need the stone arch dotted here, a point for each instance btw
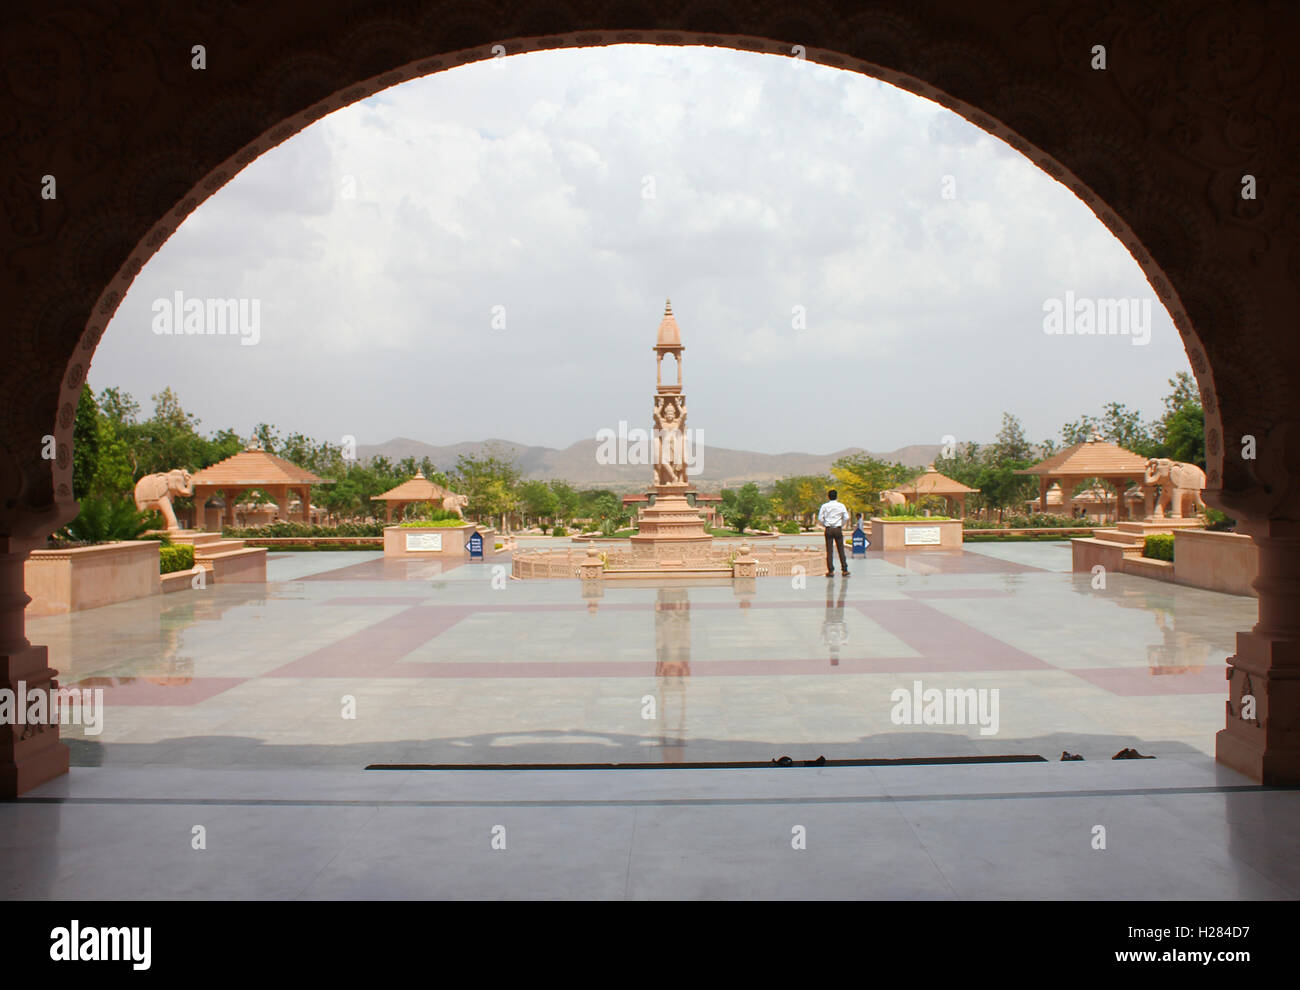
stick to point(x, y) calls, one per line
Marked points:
point(1156, 145)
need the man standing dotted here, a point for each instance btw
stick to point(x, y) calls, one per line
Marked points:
point(832, 516)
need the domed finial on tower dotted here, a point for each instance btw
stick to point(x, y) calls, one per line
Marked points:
point(669, 334)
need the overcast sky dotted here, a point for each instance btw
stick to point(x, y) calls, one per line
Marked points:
point(577, 189)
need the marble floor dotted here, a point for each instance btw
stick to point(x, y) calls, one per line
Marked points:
point(257, 708)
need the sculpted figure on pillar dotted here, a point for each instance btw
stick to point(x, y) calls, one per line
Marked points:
point(670, 456)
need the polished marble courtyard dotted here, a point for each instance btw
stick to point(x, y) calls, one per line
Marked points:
point(225, 708)
point(460, 665)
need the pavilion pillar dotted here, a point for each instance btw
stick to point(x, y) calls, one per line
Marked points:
point(281, 495)
point(232, 496)
point(1119, 498)
point(1262, 736)
point(1044, 482)
point(30, 754)
point(306, 504)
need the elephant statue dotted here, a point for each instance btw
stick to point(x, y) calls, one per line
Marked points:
point(892, 498)
point(1180, 485)
point(155, 491)
point(455, 503)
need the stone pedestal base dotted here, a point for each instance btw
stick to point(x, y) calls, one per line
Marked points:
point(29, 754)
point(672, 520)
point(1266, 746)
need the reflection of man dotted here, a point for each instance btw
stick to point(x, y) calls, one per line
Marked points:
point(832, 516)
point(834, 633)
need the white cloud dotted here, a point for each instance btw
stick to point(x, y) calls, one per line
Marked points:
point(521, 183)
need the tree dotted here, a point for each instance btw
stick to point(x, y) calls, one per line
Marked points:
point(1118, 424)
point(861, 478)
point(566, 499)
point(488, 479)
point(85, 443)
point(537, 500)
point(741, 508)
point(1184, 435)
point(113, 475)
point(1180, 433)
point(1011, 444)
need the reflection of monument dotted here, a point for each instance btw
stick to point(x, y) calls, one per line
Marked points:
point(670, 523)
point(672, 667)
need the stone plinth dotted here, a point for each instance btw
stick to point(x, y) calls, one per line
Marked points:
point(1226, 562)
point(914, 534)
point(672, 520)
point(62, 581)
point(436, 541)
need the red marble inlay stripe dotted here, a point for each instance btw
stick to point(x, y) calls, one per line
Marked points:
point(373, 649)
point(960, 593)
point(935, 635)
point(139, 691)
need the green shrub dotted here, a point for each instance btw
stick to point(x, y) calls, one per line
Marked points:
point(104, 519)
point(1033, 521)
point(1159, 546)
point(1218, 522)
point(433, 523)
point(790, 527)
point(431, 512)
point(559, 531)
point(175, 557)
point(286, 529)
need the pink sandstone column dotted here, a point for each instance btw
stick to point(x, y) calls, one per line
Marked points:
point(1266, 667)
point(29, 754)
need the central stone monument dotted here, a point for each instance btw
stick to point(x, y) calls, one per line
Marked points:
point(672, 542)
point(670, 527)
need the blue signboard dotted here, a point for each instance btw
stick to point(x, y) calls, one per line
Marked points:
point(475, 545)
point(859, 542)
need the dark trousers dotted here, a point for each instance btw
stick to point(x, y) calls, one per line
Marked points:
point(835, 537)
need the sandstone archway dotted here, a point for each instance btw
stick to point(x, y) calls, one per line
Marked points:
point(1158, 143)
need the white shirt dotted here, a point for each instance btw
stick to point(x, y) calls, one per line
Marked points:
point(833, 514)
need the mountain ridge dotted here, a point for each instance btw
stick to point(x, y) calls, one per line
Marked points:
point(577, 463)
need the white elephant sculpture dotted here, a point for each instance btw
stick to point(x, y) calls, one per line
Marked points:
point(1180, 486)
point(892, 498)
point(455, 503)
point(155, 491)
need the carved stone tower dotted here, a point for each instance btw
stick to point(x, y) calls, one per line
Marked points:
point(671, 519)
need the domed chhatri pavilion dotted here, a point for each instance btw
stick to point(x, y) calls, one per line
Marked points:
point(932, 483)
point(255, 468)
point(415, 491)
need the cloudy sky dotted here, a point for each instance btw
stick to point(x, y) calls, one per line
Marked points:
point(486, 252)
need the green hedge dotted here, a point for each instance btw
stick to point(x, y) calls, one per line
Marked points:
point(1034, 521)
point(1159, 546)
point(559, 531)
point(432, 523)
point(282, 529)
point(177, 557)
point(791, 528)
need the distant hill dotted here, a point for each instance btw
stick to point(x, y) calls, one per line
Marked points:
point(723, 467)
